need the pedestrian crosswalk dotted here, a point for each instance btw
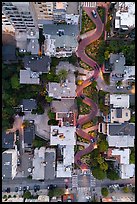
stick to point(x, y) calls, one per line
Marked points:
point(74, 181)
point(92, 181)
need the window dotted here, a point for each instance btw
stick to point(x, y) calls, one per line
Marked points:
point(126, 114)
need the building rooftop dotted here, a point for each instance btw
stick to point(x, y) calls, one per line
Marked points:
point(39, 164)
point(118, 62)
point(29, 104)
point(33, 46)
point(9, 163)
point(29, 77)
point(7, 140)
point(119, 100)
point(121, 129)
point(127, 171)
point(44, 163)
point(9, 53)
point(29, 135)
point(67, 39)
point(62, 135)
point(125, 14)
point(66, 90)
point(64, 105)
point(37, 64)
point(120, 115)
point(50, 163)
point(124, 155)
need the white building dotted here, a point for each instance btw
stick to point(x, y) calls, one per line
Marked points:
point(125, 15)
point(119, 100)
point(43, 163)
point(129, 73)
point(9, 163)
point(126, 170)
point(119, 115)
point(64, 137)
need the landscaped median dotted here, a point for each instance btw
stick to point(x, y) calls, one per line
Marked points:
point(87, 23)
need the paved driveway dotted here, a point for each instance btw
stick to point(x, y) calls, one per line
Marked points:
point(42, 128)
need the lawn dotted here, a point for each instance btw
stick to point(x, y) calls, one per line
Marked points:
point(87, 23)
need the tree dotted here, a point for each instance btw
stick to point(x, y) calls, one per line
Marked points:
point(132, 156)
point(104, 166)
point(98, 173)
point(112, 175)
point(133, 189)
point(51, 115)
point(100, 159)
point(125, 189)
point(15, 82)
point(107, 55)
point(27, 195)
point(48, 99)
point(103, 146)
point(55, 192)
point(104, 191)
point(53, 122)
point(62, 74)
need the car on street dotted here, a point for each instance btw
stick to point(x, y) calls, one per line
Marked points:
point(36, 188)
point(78, 126)
point(79, 162)
point(28, 188)
point(8, 190)
point(51, 186)
point(94, 14)
point(16, 189)
point(129, 87)
point(82, 96)
point(92, 79)
point(25, 188)
point(20, 188)
point(92, 140)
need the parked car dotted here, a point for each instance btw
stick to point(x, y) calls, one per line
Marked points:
point(28, 188)
point(78, 126)
point(92, 79)
point(51, 186)
point(8, 190)
point(24, 188)
point(16, 189)
point(66, 186)
point(79, 162)
point(20, 188)
point(94, 14)
point(36, 188)
point(82, 96)
point(92, 140)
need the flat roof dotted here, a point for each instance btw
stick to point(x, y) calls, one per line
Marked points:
point(7, 140)
point(66, 90)
point(62, 135)
point(124, 155)
point(119, 100)
point(127, 16)
point(64, 105)
point(50, 164)
point(39, 163)
point(28, 77)
point(121, 141)
point(6, 165)
point(127, 171)
point(68, 39)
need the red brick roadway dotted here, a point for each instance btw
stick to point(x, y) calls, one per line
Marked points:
point(94, 108)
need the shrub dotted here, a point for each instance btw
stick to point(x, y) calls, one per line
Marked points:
point(98, 173)
point(112, 175)
point(104, 191)
point(125, 189)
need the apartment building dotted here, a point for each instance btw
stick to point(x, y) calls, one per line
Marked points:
point(18, 16)
point(9, 163)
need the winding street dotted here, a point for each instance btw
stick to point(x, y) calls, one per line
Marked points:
point(83, 43)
